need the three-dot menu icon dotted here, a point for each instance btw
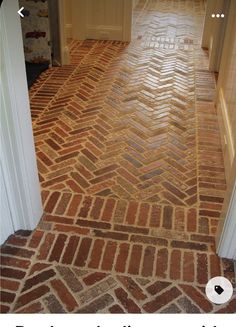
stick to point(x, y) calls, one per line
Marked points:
point(217, 15)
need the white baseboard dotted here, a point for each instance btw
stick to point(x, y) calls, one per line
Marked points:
point(102, 32)
point(226, 132)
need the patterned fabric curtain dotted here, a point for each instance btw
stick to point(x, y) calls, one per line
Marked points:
point(36, 31)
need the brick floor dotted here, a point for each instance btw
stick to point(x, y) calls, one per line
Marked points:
point(132, 176)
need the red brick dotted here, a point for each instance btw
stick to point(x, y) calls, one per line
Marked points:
point(175, 265)
point(98, 304)
point(188, 267)
point(45, 247)
point(79, 180)
point(74, 186)
point(148, 261)
point(96, 209)
point(197, 297)
point(214, 266)
point(58, 248)
point(65, 296)
point(94, 278)
point(7, 297)
point(51, 203)
point(83, 252)
point(149, 240)
point(209, 213)
point(192, 220)
point(131, 213)
point(36, 239)
point(112, 235)
point(108, 210)
point(189, 245)
point(128, 176)
point(131, 229)
point(14, 262)
point(12, 273)
point(120, 211)
point(143, 214)
point(70, 250)
point(96, 254)
point(58, 219)
point(62, 204)
point(122, 257)
point(16, 240)
point(31, 296)
point(38, 266)
point(167, 217)
point(116, 309)
point(179, 220)
point(4, 308)
point(74, 205)
point(155, 220)
point(132, 287)
point(93, 224)
point(32, 308)
point(162, 300)
point(126, 302)
point(85, 207)
point(203, 225)
point(10, 285)
point(71, 229)
point(135, 258)
point(105, 170)
point(39, 278)
point(162, 263)
point(16, 251)
point(202, 268)
point(109, 255)
point(157, 287)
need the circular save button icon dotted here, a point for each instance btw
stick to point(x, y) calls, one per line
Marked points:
point(219, 290)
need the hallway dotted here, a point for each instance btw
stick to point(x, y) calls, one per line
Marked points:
point(132, 176)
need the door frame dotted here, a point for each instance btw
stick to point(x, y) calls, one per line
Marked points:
point(57, 22)
point(225, 238)
point(18, 156)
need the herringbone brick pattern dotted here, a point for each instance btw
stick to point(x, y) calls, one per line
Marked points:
point(132, 176)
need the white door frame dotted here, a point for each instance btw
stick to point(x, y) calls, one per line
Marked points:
point(18, 157)
point(226, 235)
point(57, 22)
point(226, 246)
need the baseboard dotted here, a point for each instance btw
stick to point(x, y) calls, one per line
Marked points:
point(226, 132)
point(104, 32)
point(68, 31)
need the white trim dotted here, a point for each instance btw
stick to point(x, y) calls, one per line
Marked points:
point(127, 20)
point(104, 32)
point(6, 224)
point(65, 57)
point(226, 246)
point(18, 152)
point(226, 126)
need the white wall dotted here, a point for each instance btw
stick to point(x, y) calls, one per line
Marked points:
point(226, 91)
point(214, 30)
point(226, 110)
point(102, 19)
